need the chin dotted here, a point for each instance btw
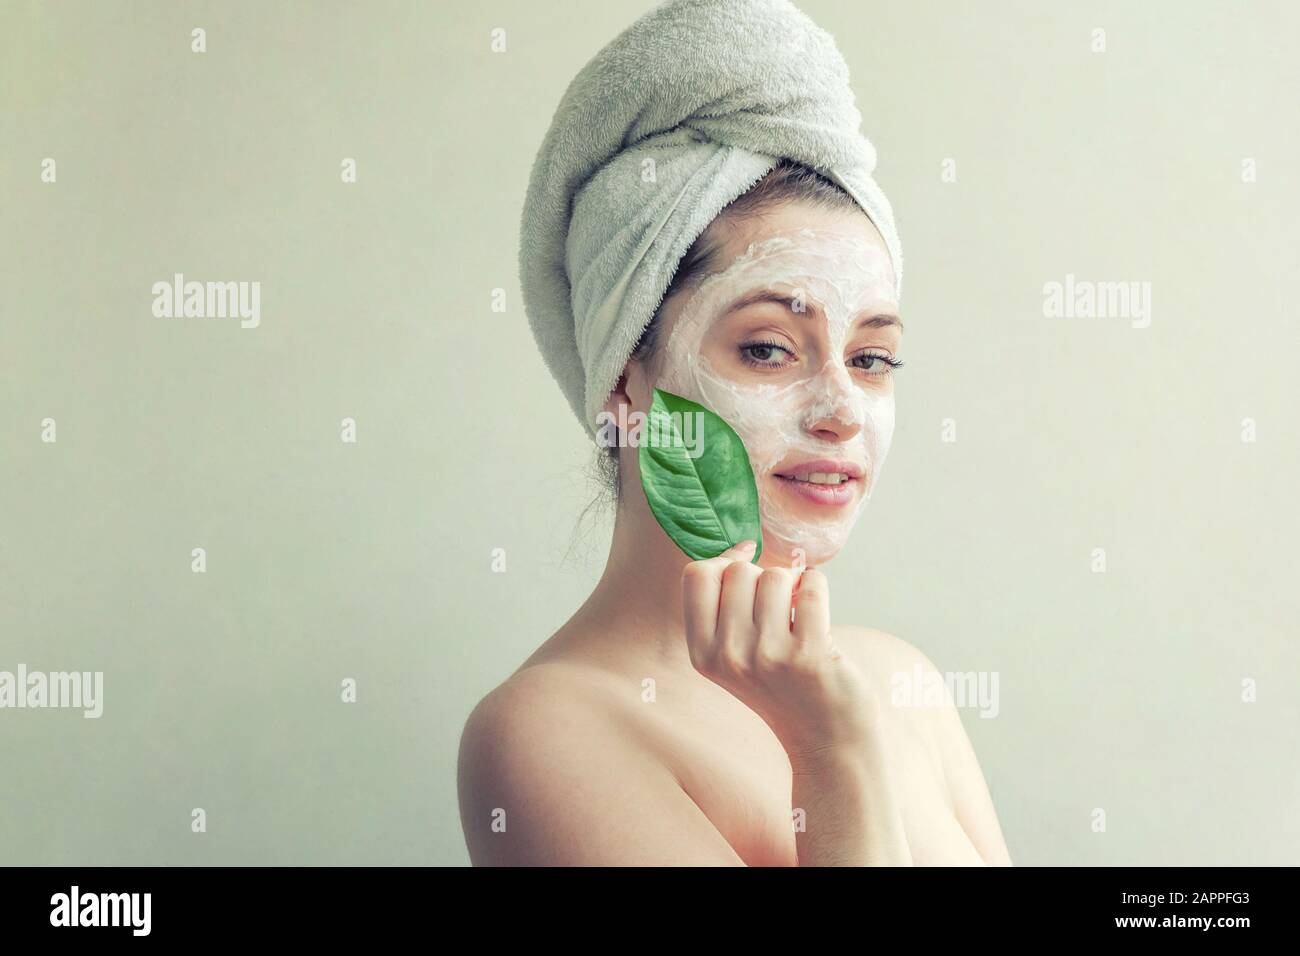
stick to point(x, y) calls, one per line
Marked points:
point(808, 552)
point(806, 525)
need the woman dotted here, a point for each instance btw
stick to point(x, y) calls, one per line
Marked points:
point(708, 712)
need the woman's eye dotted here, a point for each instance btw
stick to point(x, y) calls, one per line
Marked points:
point(873, 363)
point(765, 354)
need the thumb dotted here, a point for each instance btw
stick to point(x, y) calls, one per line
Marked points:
point(740, 551)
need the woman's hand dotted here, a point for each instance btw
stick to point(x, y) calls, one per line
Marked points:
point(739, 634)
point(817, 702)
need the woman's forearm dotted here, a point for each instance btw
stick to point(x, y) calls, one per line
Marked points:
point(845, 810)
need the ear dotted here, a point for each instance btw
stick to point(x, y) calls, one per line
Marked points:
point(631, 395)
point(618, 396)
point(633, 390)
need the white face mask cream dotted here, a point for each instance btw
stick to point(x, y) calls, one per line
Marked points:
point(816, 415)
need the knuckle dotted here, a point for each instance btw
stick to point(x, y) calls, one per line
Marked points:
point(811, 593)
point(697, 572)
point(730, 661)
point(740, 571)
point(804, 662)
point(767, 660)
point(704, 657)
point(778, 576)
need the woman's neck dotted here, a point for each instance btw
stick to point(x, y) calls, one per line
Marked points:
point(638, 600)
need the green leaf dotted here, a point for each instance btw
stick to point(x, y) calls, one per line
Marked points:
point(705, 503)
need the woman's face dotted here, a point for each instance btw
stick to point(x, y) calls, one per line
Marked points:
point(793, 344)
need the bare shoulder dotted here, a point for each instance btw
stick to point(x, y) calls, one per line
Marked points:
point(876, 641)
point(906, 677)
point(540, 706)
point(893, 665)
point(526, 750)
point(551, 771)
point(884, 655)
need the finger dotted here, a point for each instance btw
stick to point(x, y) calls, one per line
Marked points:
point(812, 609)
point(741, 551)
point(736, 612)
point(702, 595)
point(701, 591)
point(772, 601)
point(702, 585)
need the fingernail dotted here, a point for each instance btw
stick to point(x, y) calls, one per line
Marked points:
point(746, 545)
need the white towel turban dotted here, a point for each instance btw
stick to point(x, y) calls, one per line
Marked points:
point(680, 114)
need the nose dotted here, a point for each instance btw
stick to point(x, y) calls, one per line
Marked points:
point(833, 429)
point(834, 416)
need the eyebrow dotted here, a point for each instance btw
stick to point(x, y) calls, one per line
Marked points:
point(877, 321)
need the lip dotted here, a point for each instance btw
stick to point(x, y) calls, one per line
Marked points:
point(805, 468)
point(826, 495)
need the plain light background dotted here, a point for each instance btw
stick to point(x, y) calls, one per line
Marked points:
point(372, 561)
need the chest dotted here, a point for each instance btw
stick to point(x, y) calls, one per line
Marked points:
point(735, 770)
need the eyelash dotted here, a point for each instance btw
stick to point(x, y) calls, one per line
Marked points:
point(890, 363)
point(753, 362)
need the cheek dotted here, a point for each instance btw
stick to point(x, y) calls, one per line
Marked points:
point(879, 426)
point(766, 418)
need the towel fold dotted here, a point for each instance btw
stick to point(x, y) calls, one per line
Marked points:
point(671, 121)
